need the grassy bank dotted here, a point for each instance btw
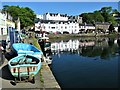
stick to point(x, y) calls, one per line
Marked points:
point(33, 41)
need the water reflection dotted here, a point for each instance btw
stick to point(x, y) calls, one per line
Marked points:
point(104, 48)
point(85, 63)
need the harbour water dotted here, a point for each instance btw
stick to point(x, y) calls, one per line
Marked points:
point(86, 63)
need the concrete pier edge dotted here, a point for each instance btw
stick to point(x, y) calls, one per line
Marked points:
point(49, 79)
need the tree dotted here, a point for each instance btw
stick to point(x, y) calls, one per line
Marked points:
point(107, 14)
point(90, 17)
point(115, 11)
point(111, 28)
point(116, 14)
point(5, 8)
point(103, 15)
point(14, 11)
point(26, 15)
point(98, 17)
point(87, 17)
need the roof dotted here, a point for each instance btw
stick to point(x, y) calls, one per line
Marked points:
point(55, 21)
point(86, 24)
point(57, 14)
point(104, 23)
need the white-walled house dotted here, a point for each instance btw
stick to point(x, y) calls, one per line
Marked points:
point(59, 26)
point(9, 22)
point(6, 23)
point(18, 24)
point(39, 16)
point(76, 18)
point(74, 27)
point(3, 28)
point(55, 16)
point(85, 27)
point(56, 23)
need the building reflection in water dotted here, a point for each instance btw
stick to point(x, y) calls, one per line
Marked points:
point(91, 48)
point(70, 46)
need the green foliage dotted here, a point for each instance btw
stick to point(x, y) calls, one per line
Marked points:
point(87, 17)
point(35, 43)
point(98, 16)
point(26, 15)
point(107, 14)
point(103, 15)
point(115, 11)
point(5, 8)
point(41, 76)
point(92, 17)
point(111, 28)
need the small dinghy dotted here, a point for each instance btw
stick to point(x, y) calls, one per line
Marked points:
point(24, 66)
point(23, 48)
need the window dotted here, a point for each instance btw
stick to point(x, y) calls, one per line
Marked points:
point(2, 31)
point(53, 27)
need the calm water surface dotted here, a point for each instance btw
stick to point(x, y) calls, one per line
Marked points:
point(85, 63)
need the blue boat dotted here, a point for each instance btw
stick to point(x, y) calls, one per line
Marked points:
point(28, 49)
point(24, 66)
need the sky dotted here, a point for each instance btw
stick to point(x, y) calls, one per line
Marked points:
point(70, 8)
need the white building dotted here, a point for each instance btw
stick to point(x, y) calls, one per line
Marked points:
point(6, 23)
point(39, 16)
point(76, 18)
point(57, 16)
point(9, 22)
point(56, 23)
point(53, 16)
point(3, 28)
point(18, 24)
point(85, 27)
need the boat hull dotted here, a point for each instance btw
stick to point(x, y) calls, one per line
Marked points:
point(22, 49)
point(24, 66)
